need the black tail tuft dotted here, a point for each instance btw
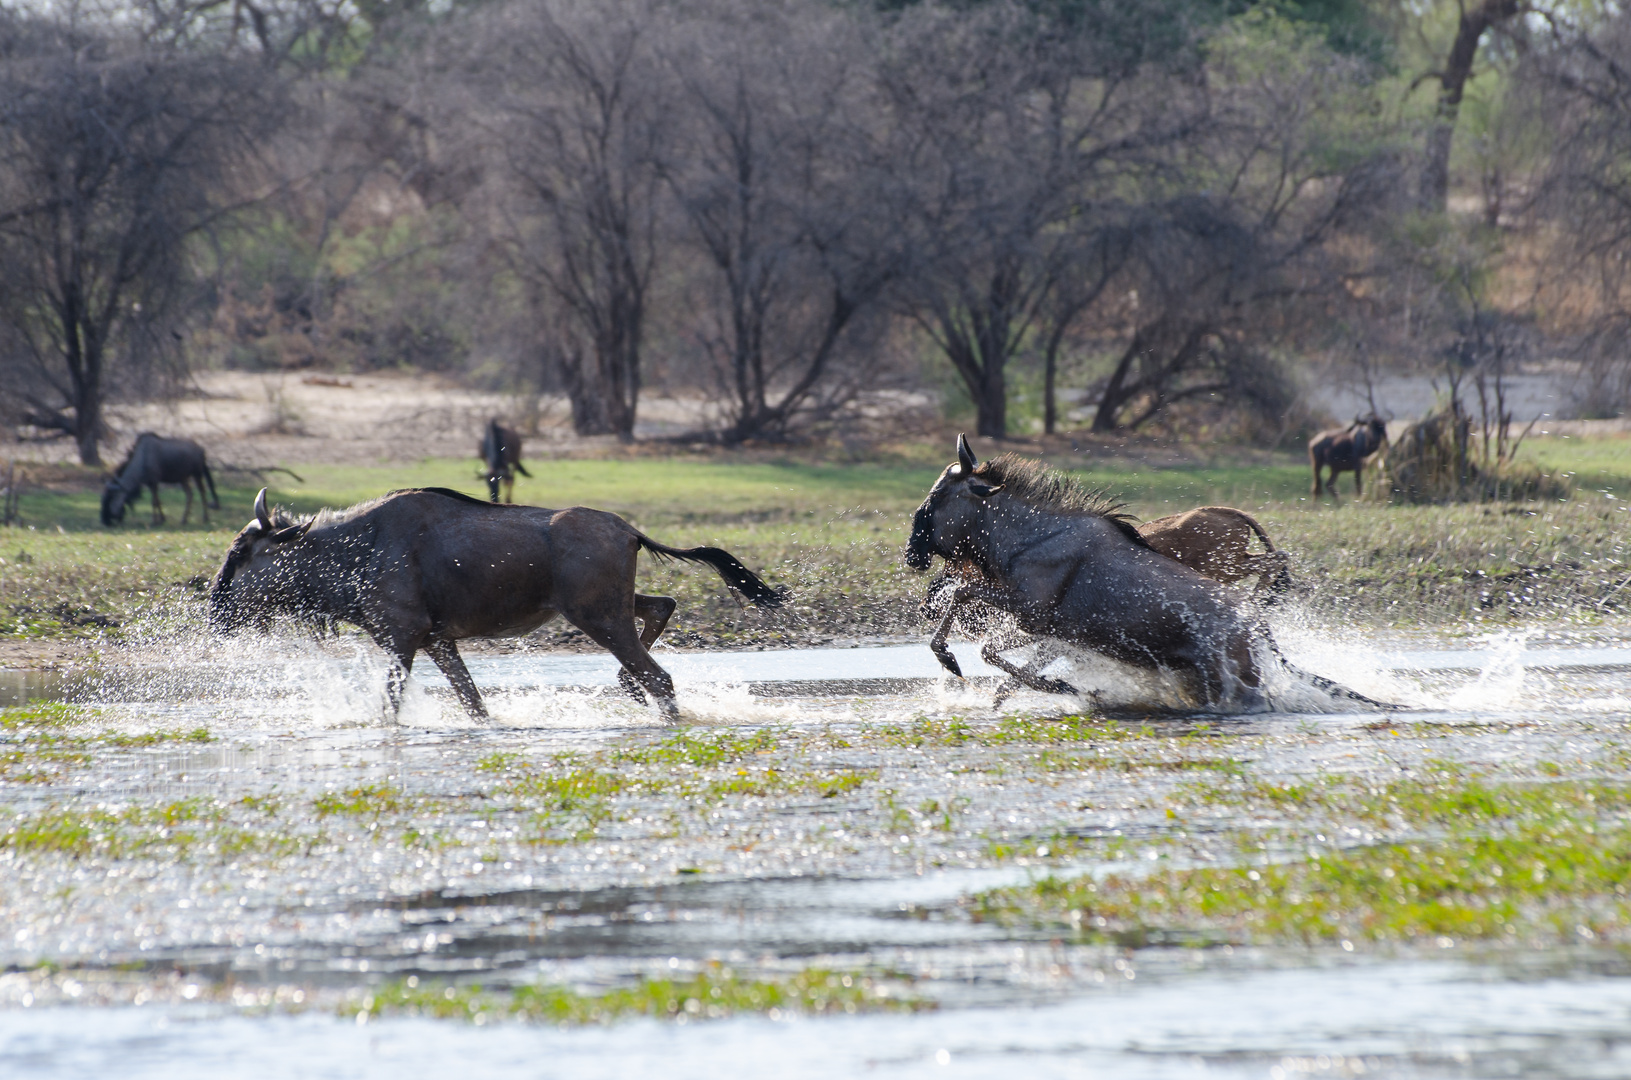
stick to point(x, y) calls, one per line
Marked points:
point(728, 566)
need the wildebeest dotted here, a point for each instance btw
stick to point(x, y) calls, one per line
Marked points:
point(1067, 564)
point(426, 568)
point(500, 451)
point(1346, 450)
point(1211, 540)
point(156, 460)
point(1216, 541)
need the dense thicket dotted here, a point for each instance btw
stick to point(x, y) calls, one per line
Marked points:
point(1047, 212)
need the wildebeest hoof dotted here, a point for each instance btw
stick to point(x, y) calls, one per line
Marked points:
point(948, 661)
point(670, 710)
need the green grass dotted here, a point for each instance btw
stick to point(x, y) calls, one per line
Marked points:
point(710, 995)
point(1490, 860)
point(832, 532)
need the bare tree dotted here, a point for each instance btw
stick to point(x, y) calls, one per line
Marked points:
point(1473, 23)
point(113, 153)
point(1017, 139)
point(1254, 247)
point(568, 93)
point(775, 178)
point(1582, 80)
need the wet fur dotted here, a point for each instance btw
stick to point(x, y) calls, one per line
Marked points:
point(426, 568)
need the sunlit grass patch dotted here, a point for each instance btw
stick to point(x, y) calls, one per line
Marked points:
point(1493, 860)
point(707, 996)
point(699, 749)
point(43, 741)
point(175, 829)
point(44, 714)
point(367, 800)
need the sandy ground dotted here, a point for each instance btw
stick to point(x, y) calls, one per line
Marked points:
point(254, 420)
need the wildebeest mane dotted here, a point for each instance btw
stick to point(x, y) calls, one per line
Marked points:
point(1033, 482)
point(449, 492)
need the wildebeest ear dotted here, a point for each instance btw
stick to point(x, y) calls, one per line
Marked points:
point(965, 456)
point(290, 532)
point(983, 490)
point(261, 514)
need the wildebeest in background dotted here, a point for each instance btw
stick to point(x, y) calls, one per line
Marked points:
point(1067, 564)
point(1346, 450)
point(501, 452)
point(156, 460)
point(1216, 541)
point(426, 568)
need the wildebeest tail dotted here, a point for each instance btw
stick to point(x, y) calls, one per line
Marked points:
point(522, 469)
point(728, 566)
point(1330, 686)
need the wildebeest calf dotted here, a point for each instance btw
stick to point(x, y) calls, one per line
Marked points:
point(426, 568)
point(501, 452)
point(156, 460)
point(1216, 541)
point(1346, 450)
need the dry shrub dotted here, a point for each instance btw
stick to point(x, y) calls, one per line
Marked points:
point(1431, 461)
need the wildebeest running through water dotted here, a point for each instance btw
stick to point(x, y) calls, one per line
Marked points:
point(156, 460)
point(501, 453)
point(1068, 565)
point(1346, 450)
point(426, 568)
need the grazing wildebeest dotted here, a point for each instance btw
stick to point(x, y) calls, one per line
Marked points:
point(156, 460)
point(1215, 541)
point(501, 452)
point(425, 568)
point(1066, 564)
point(1346, 450)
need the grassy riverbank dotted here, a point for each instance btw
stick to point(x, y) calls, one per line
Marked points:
point(832, 531)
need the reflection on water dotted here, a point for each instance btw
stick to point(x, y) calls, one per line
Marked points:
point(768, 883)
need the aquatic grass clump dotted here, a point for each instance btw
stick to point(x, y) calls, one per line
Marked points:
point(368, 800)
point(1530, 885)
point(179, 829)
point(699, 749)
point(710, 995)
point(1501, 860)
point(40, 742)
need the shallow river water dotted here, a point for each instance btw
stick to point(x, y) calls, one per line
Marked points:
point(309, 851)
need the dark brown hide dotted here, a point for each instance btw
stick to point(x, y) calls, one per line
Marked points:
point(424, 569)
point(1346, 450)
point(1216, 541)
point(152, 461)
point(1066, 564)
point(500, 451)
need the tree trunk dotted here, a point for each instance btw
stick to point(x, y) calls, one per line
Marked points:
point(1115, 393)
point(1435, 175)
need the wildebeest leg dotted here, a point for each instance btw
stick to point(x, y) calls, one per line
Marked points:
point(446, 655)
point(1027, 675)
point(653, 613)
point(1359, 482)
point(640, 671)
point(937, 643)
point(158, 510)
point(187, 487)
point(508, 481)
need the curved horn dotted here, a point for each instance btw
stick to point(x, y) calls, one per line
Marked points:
point(965, 456)
point(260, 511)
